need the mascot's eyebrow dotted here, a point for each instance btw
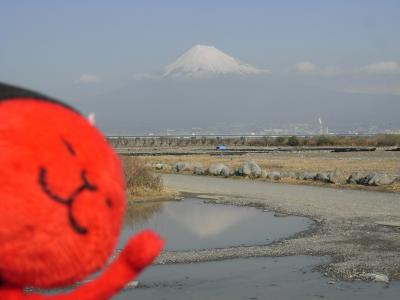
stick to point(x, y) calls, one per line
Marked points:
point(68, 201)
point(69, 147)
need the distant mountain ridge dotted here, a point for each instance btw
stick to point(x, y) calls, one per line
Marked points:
point(202, 60)
point(209, 89)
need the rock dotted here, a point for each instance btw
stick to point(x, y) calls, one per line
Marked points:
point(216, 169)
point(365, 180)
point(132, 285)
point(225, 171)
point(198, 170)
point(307, 176)
point(376, 179)
point(249, 168)
point(264, 174)
point(336, 177)
point(381, 179)
point(162, 166)
point(275, 175)
point(323, 177)
point(376, 277)
point(284, 174)
point(182, 166)
point(299, 175)
point(354, 178)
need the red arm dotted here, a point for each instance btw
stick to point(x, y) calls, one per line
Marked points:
point(139, 252)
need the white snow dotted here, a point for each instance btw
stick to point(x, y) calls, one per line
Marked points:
point(202, 60)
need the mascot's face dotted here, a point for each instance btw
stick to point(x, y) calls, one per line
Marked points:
point(61, 194)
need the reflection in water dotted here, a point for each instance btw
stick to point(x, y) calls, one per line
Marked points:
point(192, 224)
point(207, 223)
point(138, 213)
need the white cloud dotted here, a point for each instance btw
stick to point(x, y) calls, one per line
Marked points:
point(306, 67)
point(89, 78)
point(383, 67)
point(379, 68)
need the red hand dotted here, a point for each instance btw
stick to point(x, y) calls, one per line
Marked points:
point(139, 252)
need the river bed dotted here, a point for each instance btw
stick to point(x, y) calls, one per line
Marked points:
point(194, 225)
point(253, 278)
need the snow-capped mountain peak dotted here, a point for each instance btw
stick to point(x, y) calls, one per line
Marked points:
point(201, 60)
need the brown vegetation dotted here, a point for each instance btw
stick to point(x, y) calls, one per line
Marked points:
point(315, 161)
point(142, 182)
point(365, 162)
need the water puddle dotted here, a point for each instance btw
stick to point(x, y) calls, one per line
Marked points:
point(191, 224)
point(253, 278)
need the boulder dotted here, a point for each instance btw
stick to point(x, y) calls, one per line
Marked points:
point(275, 175)
point(225, 171)
point(380, 179)
point(264, 174)
point(372, 179)
point(284, 174)
point(323, 177)
point(182, 166)
point(354, 178)
point(376, 277)
point(336, 177)
point(216, 169)
point(288, 174)
point(249, 168)
point(162, 166)
point(307, 176)
point(366, 180)
point(198, 170)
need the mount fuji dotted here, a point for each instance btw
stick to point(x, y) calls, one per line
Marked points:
point(209, 89)
point(201, 60)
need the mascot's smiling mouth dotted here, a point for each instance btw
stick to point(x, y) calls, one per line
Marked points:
point(69, 201)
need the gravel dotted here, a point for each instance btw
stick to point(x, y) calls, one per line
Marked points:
point(350, 225)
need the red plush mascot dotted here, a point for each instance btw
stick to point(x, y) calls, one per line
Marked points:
point(61, 203)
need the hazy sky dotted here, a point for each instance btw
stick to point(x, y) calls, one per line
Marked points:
point(76, 49)
point(53, 44)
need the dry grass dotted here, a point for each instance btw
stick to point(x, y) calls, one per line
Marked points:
point(142, 182)
point(379, 161)
point(347, 163)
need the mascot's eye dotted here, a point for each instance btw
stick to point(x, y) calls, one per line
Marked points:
point(69, 147)
point(109, 202)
